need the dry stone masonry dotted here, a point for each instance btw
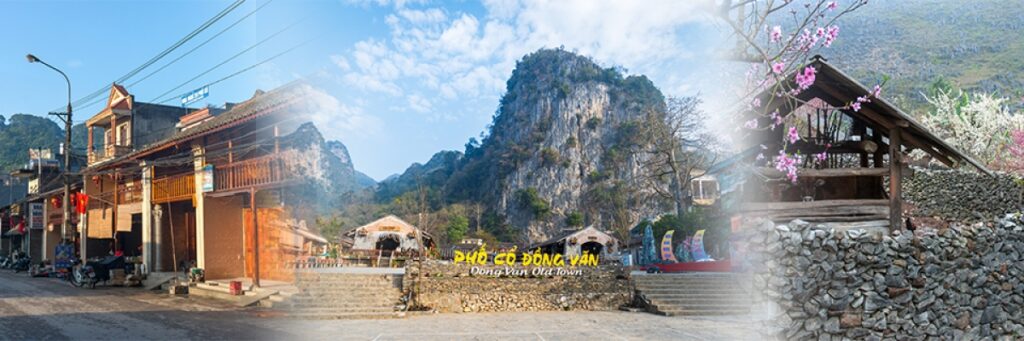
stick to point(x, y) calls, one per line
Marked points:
point(963, 282)
point(445, 287)
point(962, 195)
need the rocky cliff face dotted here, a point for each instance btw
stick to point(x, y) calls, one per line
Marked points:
point(326, 165)
point(555, 150)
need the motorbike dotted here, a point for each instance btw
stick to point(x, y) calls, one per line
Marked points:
point(23, 263)
point(94, 272)
point(18, 261)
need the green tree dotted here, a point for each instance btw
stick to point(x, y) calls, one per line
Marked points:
point(458, 225)
point(529, 199)
point(574, 219)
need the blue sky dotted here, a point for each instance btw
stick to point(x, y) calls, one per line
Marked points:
point(397, 80)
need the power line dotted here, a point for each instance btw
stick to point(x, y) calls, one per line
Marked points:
point(101, 99)
point(228, 60)
point(203, 43)
point(250, 67)
point(160, 55)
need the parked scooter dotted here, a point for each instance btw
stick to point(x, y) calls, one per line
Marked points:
point(18, 261)
point(23, 263)
point(94, 272)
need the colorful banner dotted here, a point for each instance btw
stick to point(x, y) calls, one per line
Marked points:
point(666, 248)
point(35, 212)
point(698, 247)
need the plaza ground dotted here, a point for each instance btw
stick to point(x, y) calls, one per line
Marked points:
point(43, 308)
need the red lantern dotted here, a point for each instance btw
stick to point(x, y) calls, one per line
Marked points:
point(55, 201)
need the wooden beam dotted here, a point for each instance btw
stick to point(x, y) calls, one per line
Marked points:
point(826, 173)
point(810, 205)
point(895, 179)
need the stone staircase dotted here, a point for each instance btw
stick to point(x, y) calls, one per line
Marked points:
point(694, 293)
point(343, 296)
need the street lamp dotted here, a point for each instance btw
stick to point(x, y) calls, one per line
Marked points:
point(67, 148)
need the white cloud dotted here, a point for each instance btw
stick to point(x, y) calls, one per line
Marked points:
point(336, 119)
point(460, 56)
point(419, 104)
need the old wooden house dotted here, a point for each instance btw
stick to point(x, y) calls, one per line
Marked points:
point(858, 182)
point(195, 187)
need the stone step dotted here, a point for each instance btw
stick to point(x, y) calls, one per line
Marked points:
point(332, 310)
point(348, 278)
point(353, 294)
point(701, 307)
point(343, 316)
point(719, 291)
point(300, 304)
point(348, 286)
point(696, 298)
point(341, 301)
point(698, 303)
point(693, 312)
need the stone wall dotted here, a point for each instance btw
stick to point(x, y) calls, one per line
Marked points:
point(960, 195)
point(956, 283)
point(445, 287)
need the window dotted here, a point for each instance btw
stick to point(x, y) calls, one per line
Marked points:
point(704, 188)
point(123, 135)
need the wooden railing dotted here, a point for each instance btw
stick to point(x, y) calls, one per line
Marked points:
point(130, 192)
point(174, 188)
point(261, 171)
point(108, 152)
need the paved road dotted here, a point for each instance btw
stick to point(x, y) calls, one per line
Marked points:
point(45, 308)
point(542, 326)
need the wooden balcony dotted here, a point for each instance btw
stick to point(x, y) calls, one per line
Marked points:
point(108, 152)
point(129, 193)
point(257, 172)
point(174, 188)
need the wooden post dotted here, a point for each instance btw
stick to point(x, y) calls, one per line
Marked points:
point(277, 140)
point(256, 239)
point(877, 136)
point(860, 130)
point(89, 148)
point(113, 213)
point(895, 179)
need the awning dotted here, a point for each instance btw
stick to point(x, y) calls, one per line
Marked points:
point(311, 236)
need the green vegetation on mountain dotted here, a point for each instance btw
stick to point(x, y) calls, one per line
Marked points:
point(974, 45)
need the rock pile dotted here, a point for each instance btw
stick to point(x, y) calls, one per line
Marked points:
point(452, 288)
point(959, 195)
point(957, 283)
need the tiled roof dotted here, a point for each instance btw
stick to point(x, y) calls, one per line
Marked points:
point(260, 105)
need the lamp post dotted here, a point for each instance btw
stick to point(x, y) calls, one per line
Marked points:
point(67, 149)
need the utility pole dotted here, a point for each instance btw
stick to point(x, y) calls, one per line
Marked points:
point(66, 117)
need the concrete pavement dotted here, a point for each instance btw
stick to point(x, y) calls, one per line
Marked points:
point(45, 308)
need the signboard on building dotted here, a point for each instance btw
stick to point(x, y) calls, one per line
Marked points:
point(33, 186)
point(208, 178)
point(35, 213)
point(195, 95)
point(39, 154)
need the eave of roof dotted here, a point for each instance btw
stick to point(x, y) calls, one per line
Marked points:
point(826, 71)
